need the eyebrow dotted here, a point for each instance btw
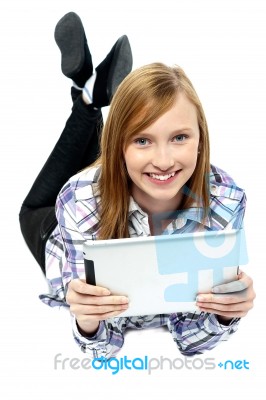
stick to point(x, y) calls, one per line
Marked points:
point(175, 132)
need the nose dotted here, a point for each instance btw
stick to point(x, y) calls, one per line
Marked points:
point(163, 158)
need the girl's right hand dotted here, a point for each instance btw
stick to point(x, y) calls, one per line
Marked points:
point(91, 304)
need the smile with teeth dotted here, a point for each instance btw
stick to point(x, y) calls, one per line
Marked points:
point(162, 177)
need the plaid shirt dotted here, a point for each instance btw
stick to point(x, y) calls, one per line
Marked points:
point(77, 213)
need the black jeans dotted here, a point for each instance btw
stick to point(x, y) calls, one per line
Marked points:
point(77, 147)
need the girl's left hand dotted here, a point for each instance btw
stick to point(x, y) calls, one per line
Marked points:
point(230, 300)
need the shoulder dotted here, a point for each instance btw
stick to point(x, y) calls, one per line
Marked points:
point(81, 186)
point(223, 185)
point(226, 198)
point(79, 199)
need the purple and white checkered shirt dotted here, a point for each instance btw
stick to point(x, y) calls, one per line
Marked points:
point(77, 213)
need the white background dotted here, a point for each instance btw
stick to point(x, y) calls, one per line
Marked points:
point(221, 46)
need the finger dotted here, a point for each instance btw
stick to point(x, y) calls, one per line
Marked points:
point(99, 317)
point(225, 298)
point(235, 286)
point(88, 310)
point(238, 307)
point(243, 282)
point(73, 297)
point(102, 300)
point(228, 314)
point(82, 287)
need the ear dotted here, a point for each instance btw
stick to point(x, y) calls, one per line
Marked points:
point(199, 147)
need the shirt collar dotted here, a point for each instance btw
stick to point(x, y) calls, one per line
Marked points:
point(178, 219)
point(133, 206)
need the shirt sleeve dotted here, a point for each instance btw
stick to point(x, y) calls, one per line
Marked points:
point(194, 333)
point(236, 221)
point(106, 342)
point(71, 226)
point(109, 337)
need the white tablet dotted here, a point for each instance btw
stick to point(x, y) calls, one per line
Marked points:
point(163, 274)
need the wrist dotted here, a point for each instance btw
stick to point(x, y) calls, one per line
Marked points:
point(88, 328)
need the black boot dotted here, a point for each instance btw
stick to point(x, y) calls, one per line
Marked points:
point(76, 62)
point(111, 72)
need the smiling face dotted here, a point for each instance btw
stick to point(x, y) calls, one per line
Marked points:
point(162, 158)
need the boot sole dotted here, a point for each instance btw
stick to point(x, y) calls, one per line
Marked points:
point(121, 65)
point(70, 38)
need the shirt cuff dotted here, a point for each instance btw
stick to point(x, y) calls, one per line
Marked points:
point(95, 346)
point(99, 334)
point(213, 325)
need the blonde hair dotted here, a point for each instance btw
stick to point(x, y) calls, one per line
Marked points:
point(144, 95)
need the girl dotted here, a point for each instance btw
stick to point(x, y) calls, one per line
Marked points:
point(154, 161)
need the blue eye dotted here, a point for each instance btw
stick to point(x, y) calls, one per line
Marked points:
point(141, 141)
point(180, 138)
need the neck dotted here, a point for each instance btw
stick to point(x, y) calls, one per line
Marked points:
point(155, 207)
point(160, 213)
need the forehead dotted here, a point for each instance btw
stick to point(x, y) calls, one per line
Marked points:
point(182, 114)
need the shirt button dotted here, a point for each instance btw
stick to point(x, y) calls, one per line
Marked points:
point(214, 189)
point(180, 222)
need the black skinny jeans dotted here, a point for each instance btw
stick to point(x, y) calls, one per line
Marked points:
point(77, 147)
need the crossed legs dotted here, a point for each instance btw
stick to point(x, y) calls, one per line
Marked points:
point(78, 145)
